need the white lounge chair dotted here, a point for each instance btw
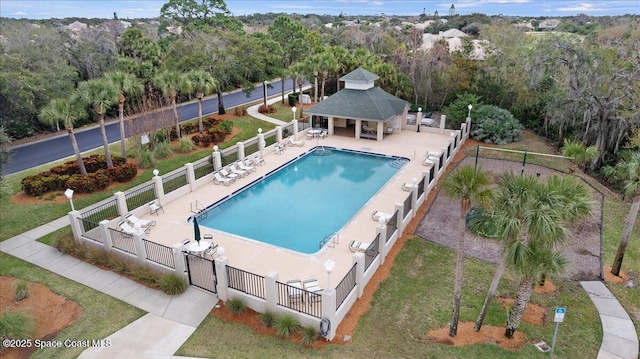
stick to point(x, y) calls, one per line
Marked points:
point(243, 166)
point(257, 160)
point(376, 215)
point(357, 246)
point(235, 170)
point(312, 286)
point(293, 142)
point(126, 228)
point(294, 290)
point(143, 222)
point(226, 173)
point(217, 179)
point(407, 187)
point(155, 208)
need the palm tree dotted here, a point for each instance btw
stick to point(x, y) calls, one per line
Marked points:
point(203, 84)
point(313, 65)
point(328, 64)
point(343, 58)
point(467, 184)
point(527, 211)
point(126, 84)
point(580, 153)
point(296, 71)
point(100, 95)
point(68, 112)
point(170, 83)
point(627, 171)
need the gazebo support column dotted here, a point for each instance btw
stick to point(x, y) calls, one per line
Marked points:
point(380, 133)
point(358, 128)
point(330, 125)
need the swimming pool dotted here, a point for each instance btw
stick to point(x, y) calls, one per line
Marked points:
point(298, 205)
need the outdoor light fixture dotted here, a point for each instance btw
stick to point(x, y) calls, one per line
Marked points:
point(419, 118)
point(294, 109)
point(264, 89)
point(69, 194)
point(221, 251)
point(328, 267)
point(469, 107)
point(259, 130)
point(215, 148)
point(156, 172)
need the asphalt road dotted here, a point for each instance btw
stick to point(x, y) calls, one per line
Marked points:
point(58, 147)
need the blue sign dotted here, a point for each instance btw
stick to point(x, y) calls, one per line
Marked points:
point(560, 310)
point(559, 317)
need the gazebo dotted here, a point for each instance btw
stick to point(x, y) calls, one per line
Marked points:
point(371, 111)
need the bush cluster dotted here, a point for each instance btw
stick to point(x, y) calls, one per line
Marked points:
point(495, 125)
point(267, 109)
point(215, 133)
point(68, 176)
point(169, 283)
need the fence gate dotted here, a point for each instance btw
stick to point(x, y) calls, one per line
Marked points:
point(202, 272)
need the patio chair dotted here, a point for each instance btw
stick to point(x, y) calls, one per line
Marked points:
point(312, 286)
point(294, 290)
point(407, 187)
point(376, 215)
point(357, 246)
point(293, 142)
point(213, 248)
point(232, 176)
point(323, 134)
point(155, 208)
point(126, 228)
point(235, 170)
point(257, 160)
point(428, 161)
point(309, 135)
point(243, 166)
point(143, 222)
point(279, 149)
point(217, 179)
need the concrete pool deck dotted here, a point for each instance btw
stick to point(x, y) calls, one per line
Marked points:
point(256, 257)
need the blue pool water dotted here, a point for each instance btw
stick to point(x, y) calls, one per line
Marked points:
point(300, 204)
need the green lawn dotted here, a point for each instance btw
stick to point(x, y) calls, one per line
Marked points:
point(101, 315)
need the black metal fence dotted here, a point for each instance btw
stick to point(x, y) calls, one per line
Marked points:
point(122, 241)
point(90, 230)
point(392, 226)
point(140, 196)
point(299, 299)
point(174, 181)
point(245, 282)
point(229, 155)
point(345, 286)
point(105, 211)
point(203, 167)
point(371, 252)
point(441, 161)
point(159, 253)
point(251, 146)
point(406, 208)
point(432, 173)
point(421, 187)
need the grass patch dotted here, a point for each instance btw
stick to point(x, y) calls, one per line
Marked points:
point(101, 314)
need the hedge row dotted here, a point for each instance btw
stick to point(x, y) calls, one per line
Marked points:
point(68, 176)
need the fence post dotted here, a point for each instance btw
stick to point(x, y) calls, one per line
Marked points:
point(240, 146)
point(178, 260)
point(157, 180)
point(329, 310)
point(271, 290)
point(358, 260)
point(221, 275)
point(295, 128)
point(191, 176)
point(468, 127)
point(141, 252)
point(105, 234)
point(278, 133)
point(443, 119)
point(217, 159)
point(75, 225)
point(121, 204)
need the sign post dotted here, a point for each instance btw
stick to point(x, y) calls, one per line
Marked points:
point(558, 318)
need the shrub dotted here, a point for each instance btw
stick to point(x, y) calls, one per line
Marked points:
point(100, 257)
point(268, 318)
point(184, 146)
point(203, 140)
point(145, 274)
point(22, 290)
point(187, 128)
point(123, 173)
point(286, 325)
point(162, 150)
point(147, 160)
point(458, 110)
point(172, 284)
point(226, 126)
point(495, 125)
point(240, 111)
point(236, 306)
point(17, 325)
point(267, 109)
point(293, 98)
point(309, 334)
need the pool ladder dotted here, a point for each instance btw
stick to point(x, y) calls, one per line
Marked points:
point(332, 239)
point(197, 208)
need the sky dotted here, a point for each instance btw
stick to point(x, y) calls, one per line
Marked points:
point(130, 9)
